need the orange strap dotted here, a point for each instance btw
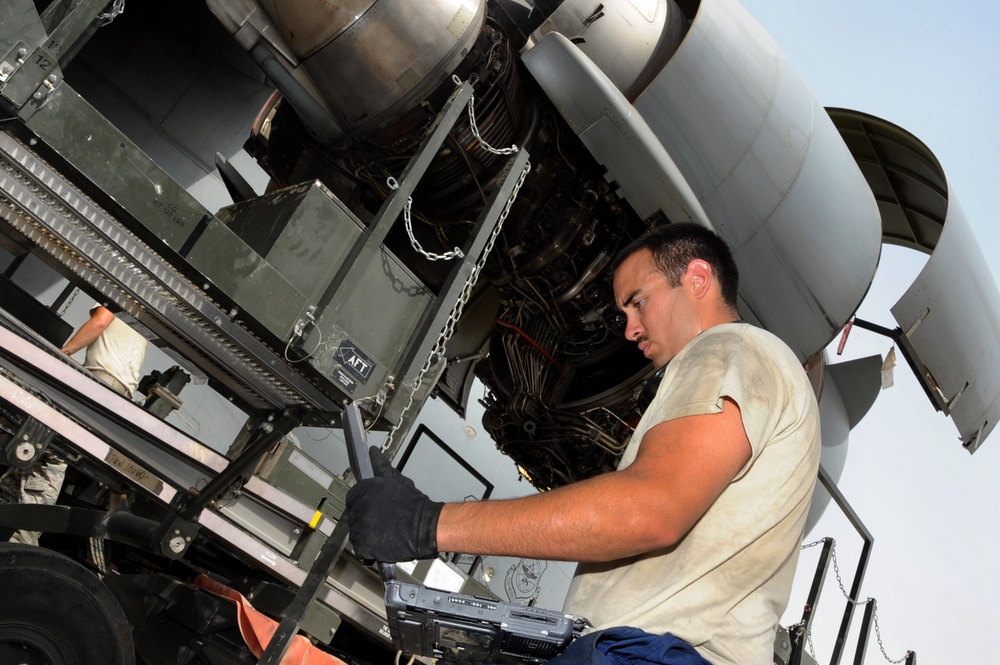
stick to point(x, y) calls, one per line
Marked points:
point(257, 629)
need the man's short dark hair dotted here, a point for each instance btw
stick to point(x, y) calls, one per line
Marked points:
point(674, 246)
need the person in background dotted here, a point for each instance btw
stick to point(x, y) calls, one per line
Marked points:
point(114, 355)
point(114, 350)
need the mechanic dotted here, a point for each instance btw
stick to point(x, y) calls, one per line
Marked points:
point(695, 538)
point(114, 350)
point(114, 355)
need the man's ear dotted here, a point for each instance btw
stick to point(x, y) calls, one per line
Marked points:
point(699, 277)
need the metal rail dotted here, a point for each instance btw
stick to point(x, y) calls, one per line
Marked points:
point(52, 213)
point(163, 463)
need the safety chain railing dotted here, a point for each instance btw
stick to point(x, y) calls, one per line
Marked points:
point(437, 351)
point(852, 601)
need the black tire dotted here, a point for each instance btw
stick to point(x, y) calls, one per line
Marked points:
point(53, 611)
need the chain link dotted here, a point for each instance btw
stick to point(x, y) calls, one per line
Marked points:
point(855, 603)
point(455, 253)
point(475, 129)
point(437, 351)
point(69, 301)
point(116, 8)
point(812, 648)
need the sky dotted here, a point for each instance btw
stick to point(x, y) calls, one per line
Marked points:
point(933, 69)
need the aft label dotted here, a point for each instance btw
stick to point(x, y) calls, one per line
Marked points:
point(354, 360)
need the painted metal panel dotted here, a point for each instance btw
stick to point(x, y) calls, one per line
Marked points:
point(950, 313)
point(858, 382)
point(772, 173)
point(630, 40)
point(728, 134)
point(617, 136)
point(417, 43)
point(950, 332)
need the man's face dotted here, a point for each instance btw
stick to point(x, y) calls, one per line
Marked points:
point(656, 313)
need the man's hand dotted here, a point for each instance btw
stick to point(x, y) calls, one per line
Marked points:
point(389, 518)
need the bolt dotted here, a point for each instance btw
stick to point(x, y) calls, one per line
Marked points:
point(24, 452)
point(176, 545)
point(53, 78)
point(267, 427)
point(22, 53)
point(7, 68)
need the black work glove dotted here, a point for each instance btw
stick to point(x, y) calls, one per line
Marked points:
point(389, 518)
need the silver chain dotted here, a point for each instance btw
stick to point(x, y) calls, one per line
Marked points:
point(69, 301)
point(475, 129)
point(437, 351)
point(116, 8)
point(455, 253)
point(856, 603)
point(812, 648)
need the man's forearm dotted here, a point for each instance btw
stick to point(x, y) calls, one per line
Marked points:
point(684, 464)
point(82, 339)
point(601, 519)
point(98, 322)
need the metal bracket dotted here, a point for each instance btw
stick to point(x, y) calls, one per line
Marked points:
point(161, 390)
point(188, 507)
point(29, 80)
point(27, 444)
point(328, 555)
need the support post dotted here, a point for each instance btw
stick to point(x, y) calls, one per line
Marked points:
point(291, 618)
point(800, 632)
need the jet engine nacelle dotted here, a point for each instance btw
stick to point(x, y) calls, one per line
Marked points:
point(635, 114)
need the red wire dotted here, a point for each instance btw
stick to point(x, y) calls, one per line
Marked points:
point(530, 341)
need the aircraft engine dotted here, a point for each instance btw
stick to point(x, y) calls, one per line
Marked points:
point(562, 383)
point(360, 85)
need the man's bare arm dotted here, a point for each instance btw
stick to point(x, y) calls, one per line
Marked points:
point(682, 467)
point(99, 320)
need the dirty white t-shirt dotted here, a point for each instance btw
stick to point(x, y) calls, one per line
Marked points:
point(724, 586)
point(119, 351)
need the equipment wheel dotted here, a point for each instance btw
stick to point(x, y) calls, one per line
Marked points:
point(53, 611)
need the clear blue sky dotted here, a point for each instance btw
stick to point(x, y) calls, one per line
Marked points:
point(933, 69)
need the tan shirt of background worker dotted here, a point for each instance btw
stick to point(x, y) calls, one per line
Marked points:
point(114, 350)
